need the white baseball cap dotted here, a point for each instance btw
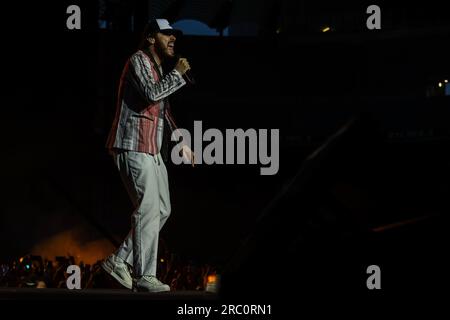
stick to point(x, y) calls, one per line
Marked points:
point(161, 25)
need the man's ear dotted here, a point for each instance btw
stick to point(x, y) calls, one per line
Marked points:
point(151, 40)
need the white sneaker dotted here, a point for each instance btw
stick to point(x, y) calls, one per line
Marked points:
point(118, 269)
point(149, 284)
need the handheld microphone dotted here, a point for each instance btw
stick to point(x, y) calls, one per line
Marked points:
point(187, 75)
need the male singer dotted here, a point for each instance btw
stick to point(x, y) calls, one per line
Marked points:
point(136, 141)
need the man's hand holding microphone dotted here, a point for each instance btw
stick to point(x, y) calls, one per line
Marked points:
point(183, 67)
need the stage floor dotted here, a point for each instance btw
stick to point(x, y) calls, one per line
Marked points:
point(107, 294)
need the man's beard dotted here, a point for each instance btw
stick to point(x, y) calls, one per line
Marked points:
point(163, 53)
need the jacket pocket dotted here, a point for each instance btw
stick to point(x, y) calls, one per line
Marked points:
point(144, 127)
point(147, 116)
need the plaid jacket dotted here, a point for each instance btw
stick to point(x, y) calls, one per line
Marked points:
point(140, 97)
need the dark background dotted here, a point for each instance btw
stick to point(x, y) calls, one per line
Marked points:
point(58, 101)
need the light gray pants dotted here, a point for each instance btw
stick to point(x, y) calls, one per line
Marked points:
point(145, 178)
